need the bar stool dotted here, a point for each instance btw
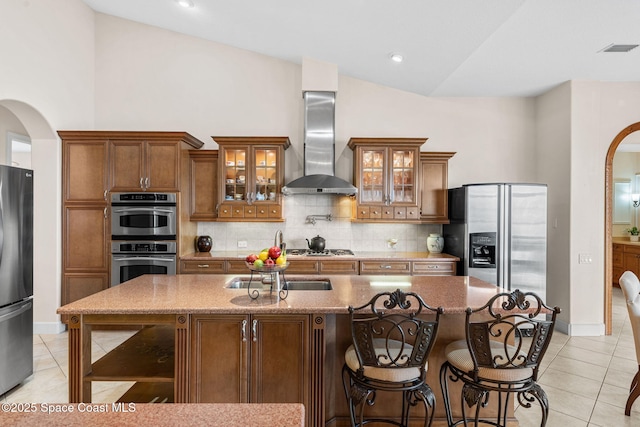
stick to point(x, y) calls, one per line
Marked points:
point(505, 342)
point(392, 337)
point(630, 286)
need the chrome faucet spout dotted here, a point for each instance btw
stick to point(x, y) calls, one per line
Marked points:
point(279, 239)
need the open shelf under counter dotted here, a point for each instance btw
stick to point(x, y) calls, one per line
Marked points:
point(148, 356)
point(146, 392)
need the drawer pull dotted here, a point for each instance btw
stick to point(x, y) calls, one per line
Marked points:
point(203, 265)
point(385, 266)
point(433, 266)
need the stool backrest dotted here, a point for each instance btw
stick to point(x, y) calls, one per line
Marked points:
point(511, 331)
point(630, 286)
point(394, 330)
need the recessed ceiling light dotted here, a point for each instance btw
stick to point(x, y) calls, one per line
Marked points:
point(619, 48)
point(396, 57)
point(185, 3)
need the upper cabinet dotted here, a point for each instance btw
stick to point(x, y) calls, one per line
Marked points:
point(386, 172)
point(147, 161)
point(203, 193)
point(250, 178)
point(434, 184)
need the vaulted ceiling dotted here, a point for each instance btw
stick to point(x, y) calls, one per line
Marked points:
point(450, 47)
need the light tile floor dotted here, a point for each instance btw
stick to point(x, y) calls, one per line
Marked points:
point(586, 378)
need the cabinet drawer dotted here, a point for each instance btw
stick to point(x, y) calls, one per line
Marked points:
point(339, 267)
point(302, 267)
point(363, 212)
point(632, 249)
point(413, 212)
point(385, 267)
point(202, 267)
point(275, 211)
point(237, 266)
point(434, 268)
point(387, 212)
point(225, 211)
point(375, 212)
point(250, 211)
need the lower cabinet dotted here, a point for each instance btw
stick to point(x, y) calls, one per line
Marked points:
point(631, 260)
point(618, 262)
point(251, 358)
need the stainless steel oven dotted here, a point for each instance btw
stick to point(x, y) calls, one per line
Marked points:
point(143, 216)
point(131, 259)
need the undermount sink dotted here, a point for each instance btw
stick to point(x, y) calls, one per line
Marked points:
point(292, 285)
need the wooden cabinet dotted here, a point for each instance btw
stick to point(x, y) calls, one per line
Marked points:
point(434, 205)
point(148, 161)
point(267, 359)
point(203, 179)
point(94, 164)
point(386, 172)
point(250, 178)
point(631, 259)
point(433, 268)
point(385, 267)
point(85, 216)
point(618, 262)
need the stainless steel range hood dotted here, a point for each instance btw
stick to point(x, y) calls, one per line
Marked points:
point(319, 149)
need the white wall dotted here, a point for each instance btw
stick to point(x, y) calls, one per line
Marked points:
point(47, 69)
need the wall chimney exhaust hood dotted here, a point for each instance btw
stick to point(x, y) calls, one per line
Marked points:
point(319, 149)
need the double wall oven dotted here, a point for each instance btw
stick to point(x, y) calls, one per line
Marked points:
point(143, 235)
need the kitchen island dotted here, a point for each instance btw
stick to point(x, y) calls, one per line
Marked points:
point(203, 342)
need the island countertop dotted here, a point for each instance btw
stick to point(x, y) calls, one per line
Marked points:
point(193, 293)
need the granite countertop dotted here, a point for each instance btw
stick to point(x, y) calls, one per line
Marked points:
point(167, 414)
point(360, 255)
point(624, 241)
point(206, 293)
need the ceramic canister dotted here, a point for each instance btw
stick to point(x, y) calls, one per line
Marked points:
point(435, 243)
point(204, 243)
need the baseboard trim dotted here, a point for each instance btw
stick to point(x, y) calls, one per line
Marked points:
point(48, 328)
point(582, 330)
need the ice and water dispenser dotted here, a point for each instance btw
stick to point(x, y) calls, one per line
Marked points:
point(482, 250)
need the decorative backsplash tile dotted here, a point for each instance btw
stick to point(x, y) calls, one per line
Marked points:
point(339, 233)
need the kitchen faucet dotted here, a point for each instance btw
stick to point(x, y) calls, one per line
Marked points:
point(279, 240)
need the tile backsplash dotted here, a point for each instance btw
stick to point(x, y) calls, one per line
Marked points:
point(339, 233)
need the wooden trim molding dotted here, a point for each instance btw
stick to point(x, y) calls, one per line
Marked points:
point(608, 238)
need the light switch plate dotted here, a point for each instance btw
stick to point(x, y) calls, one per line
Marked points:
point(584, 259)
point(242, 243)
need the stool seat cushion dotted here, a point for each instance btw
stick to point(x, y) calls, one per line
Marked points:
point(458, 355)
point(391, 373)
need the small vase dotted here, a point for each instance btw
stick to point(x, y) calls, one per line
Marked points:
point(204, 243)
point(633, 238)
point(435, 243)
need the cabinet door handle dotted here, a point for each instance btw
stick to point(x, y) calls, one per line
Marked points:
point(141, 184)
point(147, 183)
point(244, 330)
point(105, 194)
point(105, 213)
point(254, 330)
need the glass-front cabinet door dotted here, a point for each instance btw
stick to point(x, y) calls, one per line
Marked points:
point(403, 168)
point(386, 174)
point(252, 176)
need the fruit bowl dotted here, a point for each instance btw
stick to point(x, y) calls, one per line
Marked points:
point(268, 268)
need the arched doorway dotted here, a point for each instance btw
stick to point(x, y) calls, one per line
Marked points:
point(608, 203)
point(45, 161)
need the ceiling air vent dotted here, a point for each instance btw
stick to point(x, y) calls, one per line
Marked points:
point(619, 48)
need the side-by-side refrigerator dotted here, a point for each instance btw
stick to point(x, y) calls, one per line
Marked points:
point(16, 276)
point(499, 232)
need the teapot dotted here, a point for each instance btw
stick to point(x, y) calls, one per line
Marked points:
point(316, 244)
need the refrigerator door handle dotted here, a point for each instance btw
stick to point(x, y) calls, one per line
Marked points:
point(17, 311)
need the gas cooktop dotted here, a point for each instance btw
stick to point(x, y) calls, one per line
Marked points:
point(326, 252)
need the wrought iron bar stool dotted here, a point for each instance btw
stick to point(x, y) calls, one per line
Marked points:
point(392, 337)
point(630, 286)
point(505, 342)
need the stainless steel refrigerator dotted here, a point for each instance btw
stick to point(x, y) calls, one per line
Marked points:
point(16, 276)
point(499, 232)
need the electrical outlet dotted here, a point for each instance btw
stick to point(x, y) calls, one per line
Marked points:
point(242, 243)
point(584, 259)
